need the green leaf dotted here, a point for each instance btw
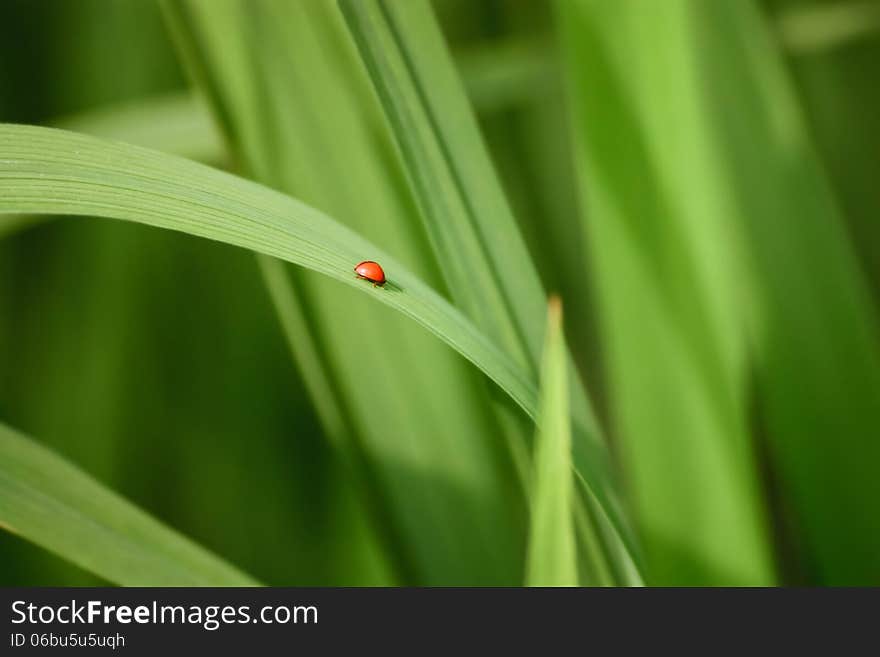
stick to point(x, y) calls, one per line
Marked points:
point(672, 291)
point(47, 500)
point(474, 235)
point(176, 123)
point(817, 336)
point(730, 296)
point(422, 429)
point(473, 232)
point(51, 171)
point(551, 555)
point(332, 409)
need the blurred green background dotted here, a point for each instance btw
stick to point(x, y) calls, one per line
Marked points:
point(696, 178)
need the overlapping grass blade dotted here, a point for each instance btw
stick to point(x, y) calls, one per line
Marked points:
point(473, 232)
point(50, 502)
point(324, 192)
point(418, 414)
point(817, 350)
point(837, 91)
point(176, 123)
point(332, 411)
point(474, 235)
point(43, 170)
point(671, 304)
point(717, 229)
point(551, 554)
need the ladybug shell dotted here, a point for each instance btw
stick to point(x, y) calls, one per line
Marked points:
point(371, 271)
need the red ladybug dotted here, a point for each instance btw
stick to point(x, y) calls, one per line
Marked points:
point(370, 271)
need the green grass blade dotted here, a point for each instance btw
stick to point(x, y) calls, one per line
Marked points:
point(473, 232)
point(315, 133)
point(331, 409)
point(551, 553)
point(176, 123)
point(50, 502)
point(719, 231)
point(51, 171)
point(671, 305)
point(322, 391)
point(159, 122)
point(817, 344)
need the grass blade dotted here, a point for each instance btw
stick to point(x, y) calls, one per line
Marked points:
point(52, 503)
point(51, 171)
point(551, 556)
point(324, 394)
point(176, 123)
point(656, 264)
point(719, 231)
point(817, 346)
point(474, 234)
point(316, 134)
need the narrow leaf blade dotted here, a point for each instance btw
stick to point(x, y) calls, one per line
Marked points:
point(52, 503)
point(551, 556)
point(51, 171)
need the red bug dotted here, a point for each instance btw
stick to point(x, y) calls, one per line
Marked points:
point(370, 271)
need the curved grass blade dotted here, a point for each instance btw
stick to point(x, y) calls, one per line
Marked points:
point(52, 503)
point(324, 394)
point(464, 209)
point(174, 123)
point(473, 231)
point(49, 171)
point(474, 234)
point(316, 133)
